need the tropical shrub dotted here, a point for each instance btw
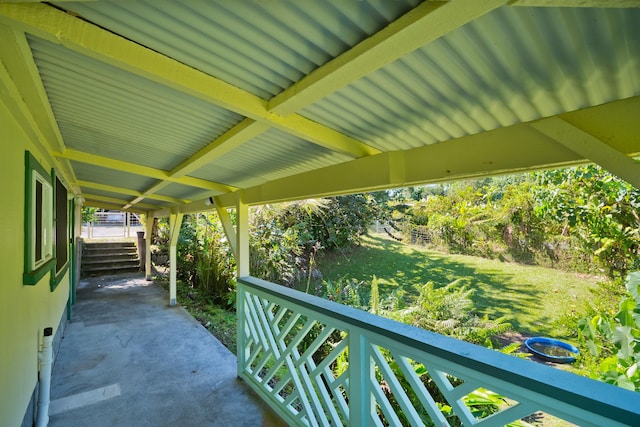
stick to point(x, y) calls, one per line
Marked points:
point(615, 340)
point(285, 238)
point(602, 211)
point(215, 264)
point(580, 219)
point(88, 214)
point(445, 310)
point(203, 256)
point(284, 241)
point(448, 310)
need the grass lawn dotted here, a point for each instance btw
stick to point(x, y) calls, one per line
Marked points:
point(534, 299)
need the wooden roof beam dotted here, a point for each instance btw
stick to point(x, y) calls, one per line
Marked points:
point(590, 147)
point(133, 168)
point(117, 202)
point(24, 93)
point(236, 136)
point(129, 192)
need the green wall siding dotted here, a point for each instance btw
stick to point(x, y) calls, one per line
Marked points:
point(24, 310)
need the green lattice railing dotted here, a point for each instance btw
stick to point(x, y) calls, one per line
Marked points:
point(319, 363)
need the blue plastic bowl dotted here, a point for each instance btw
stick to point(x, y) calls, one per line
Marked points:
point(541, 346)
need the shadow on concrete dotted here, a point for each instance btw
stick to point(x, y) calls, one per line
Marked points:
point(128, 359)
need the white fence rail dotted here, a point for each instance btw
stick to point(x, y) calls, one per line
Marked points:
point(112, 224)
point(319, 363)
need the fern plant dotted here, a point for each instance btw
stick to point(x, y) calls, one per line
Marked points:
point(448, 310)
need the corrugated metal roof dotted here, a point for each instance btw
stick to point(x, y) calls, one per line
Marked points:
point(508, 66)
point(92, 173)
point(103, 193)
point(271, 155)
point(265, 46)
point(103, 110)
point(512, 65)
point(179, 191)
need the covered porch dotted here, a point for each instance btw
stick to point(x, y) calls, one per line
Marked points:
point(176, 107)
point(127, 358)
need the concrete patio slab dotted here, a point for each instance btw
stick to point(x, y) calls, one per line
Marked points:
point(128, 359)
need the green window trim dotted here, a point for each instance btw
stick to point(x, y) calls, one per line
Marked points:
point(57, 278)
point(62, 233)
point(38, 222)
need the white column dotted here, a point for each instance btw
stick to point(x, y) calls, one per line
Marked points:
point(175, 220)
point(242, 236)
point(147, 243)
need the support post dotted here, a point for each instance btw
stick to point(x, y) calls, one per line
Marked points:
point(242, 238)
point(148, 241)
point(78, 241)
point(241, 253)
point(229, 231)
point(360, 372)
point(141, 247)
point(175, 220)
point(240, 329)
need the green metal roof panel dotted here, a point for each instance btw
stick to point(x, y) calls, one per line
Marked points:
point(266, 46)
point(271, 155)
point(513, 65)
point(180, 191)
point(91, 173)
point(384, 76)
point(105, 111)
point(97, 192)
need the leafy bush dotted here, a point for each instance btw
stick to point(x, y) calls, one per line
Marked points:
point(88, 214)
point(601, 210)
point(580, 219)
point(615, 340)
point(447, 310)
point(285, 238)
point(203, 256)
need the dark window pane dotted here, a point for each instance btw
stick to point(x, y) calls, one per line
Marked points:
point(61, 225)
point(38, 228)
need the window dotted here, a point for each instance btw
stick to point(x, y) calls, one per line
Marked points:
point(61, 237)
point(38, 221)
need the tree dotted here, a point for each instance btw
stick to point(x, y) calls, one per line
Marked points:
point(88, 214)
point(601, 209)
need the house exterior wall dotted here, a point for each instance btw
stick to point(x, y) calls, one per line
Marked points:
point(24, 310)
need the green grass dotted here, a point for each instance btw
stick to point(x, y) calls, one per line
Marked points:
point(534, 299)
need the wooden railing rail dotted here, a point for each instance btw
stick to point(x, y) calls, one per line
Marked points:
point(319, 363)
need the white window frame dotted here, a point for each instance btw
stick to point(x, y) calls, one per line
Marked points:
point(46, 214)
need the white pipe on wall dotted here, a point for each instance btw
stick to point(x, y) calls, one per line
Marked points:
point(45, 357)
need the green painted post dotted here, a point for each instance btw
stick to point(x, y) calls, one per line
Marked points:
point(240, 325)
point(359, 375)
point(72, 255)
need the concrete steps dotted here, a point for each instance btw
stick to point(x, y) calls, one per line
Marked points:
point(100, 258)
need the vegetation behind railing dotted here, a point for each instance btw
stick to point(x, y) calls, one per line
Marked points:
point(320, 363)
point(579, 219)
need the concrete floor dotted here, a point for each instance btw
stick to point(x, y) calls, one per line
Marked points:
point(127, 359)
